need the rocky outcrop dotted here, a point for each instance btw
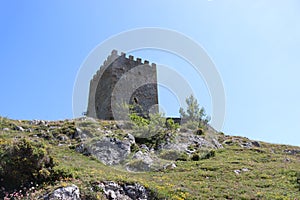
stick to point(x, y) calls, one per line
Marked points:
point(111, 151)
point(183, 140)
point(114, 190)
point(112, 145)
point(64, 193)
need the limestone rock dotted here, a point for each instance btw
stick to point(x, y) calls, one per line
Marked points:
point(142, 161)
point(292, 151)
point(183, 140)
point(116, 191)
point(64, 193)
point(170, 166)
point(110, 151)
point(255, 143)
point(19, 128)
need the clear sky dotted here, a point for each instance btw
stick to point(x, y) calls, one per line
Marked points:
point(255, 45)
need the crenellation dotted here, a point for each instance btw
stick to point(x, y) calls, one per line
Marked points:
point(114, 52)
point(146, 62)
point(139, 60)
point(109, 59)
point(105, 63)
point(131, 57)
point(153, 65)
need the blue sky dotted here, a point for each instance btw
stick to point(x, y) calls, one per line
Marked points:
point(255, 45)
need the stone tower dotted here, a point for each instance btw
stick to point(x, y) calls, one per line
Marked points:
point(123, 79)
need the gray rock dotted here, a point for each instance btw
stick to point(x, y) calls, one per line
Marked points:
point(292, 151)
point(238, 171)
point(255, 143)
point(245, 170)
point(64, 193)
point(170, 166)
point(81, 149)
point(183, 140)
point(6, 129)
point(134, 191)
point(38, 122)
point(20, 128)
point(217, 144)
point(145, 157)
point(62, 138)
point(110, 151)
point(246, 145)
point(130, 138)
point(144, 147)
point(111, 194)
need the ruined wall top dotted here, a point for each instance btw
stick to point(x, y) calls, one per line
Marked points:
point(113, 56)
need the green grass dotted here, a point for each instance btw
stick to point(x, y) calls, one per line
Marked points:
point(272, 174)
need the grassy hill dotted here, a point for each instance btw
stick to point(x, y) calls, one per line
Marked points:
point(242, 169)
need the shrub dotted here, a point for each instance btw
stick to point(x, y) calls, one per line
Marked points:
point(171, 125)
point(134, 148)
point(24, 163)
point(183, 157)
point(209, 154)
point(196, 156)
point(199, 131)
point(146, 128)
point(298, 179)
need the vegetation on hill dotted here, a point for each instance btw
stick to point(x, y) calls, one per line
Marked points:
point(190, 161)
point(43, 158)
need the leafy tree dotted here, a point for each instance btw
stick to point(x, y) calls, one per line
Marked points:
point(194, 116)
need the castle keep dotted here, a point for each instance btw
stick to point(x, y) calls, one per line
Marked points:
point(123, 79)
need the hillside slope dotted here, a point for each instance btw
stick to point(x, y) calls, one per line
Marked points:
point(225, 167)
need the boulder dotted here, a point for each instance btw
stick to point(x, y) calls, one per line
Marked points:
point(255, 143)
point(292, 151)
point(64, 193)
point(183, 140)
point(110, 151)
point(141, 161)
point(125, 191)
point(19, 128)
point(170, 166)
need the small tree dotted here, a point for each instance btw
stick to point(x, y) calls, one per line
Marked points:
point(194, 115)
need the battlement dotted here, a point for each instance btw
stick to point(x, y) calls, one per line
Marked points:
point(113, 56)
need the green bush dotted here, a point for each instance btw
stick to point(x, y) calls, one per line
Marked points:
point(298, 179)
point(196, 156)
point(171, 125)
point(199, 131)
point(148, 127)
point(134, 148)
point(183, 157)
point(24, 163)
point(209, 154)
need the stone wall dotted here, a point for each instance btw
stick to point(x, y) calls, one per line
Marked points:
point(122, 79)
